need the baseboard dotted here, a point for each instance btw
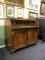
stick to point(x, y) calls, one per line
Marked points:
point(2, 46)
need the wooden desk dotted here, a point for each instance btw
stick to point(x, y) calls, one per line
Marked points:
point(20, 36)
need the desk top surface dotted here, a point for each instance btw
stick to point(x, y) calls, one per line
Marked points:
point(25, 27)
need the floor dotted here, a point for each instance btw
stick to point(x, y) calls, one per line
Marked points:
point(36, 52)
